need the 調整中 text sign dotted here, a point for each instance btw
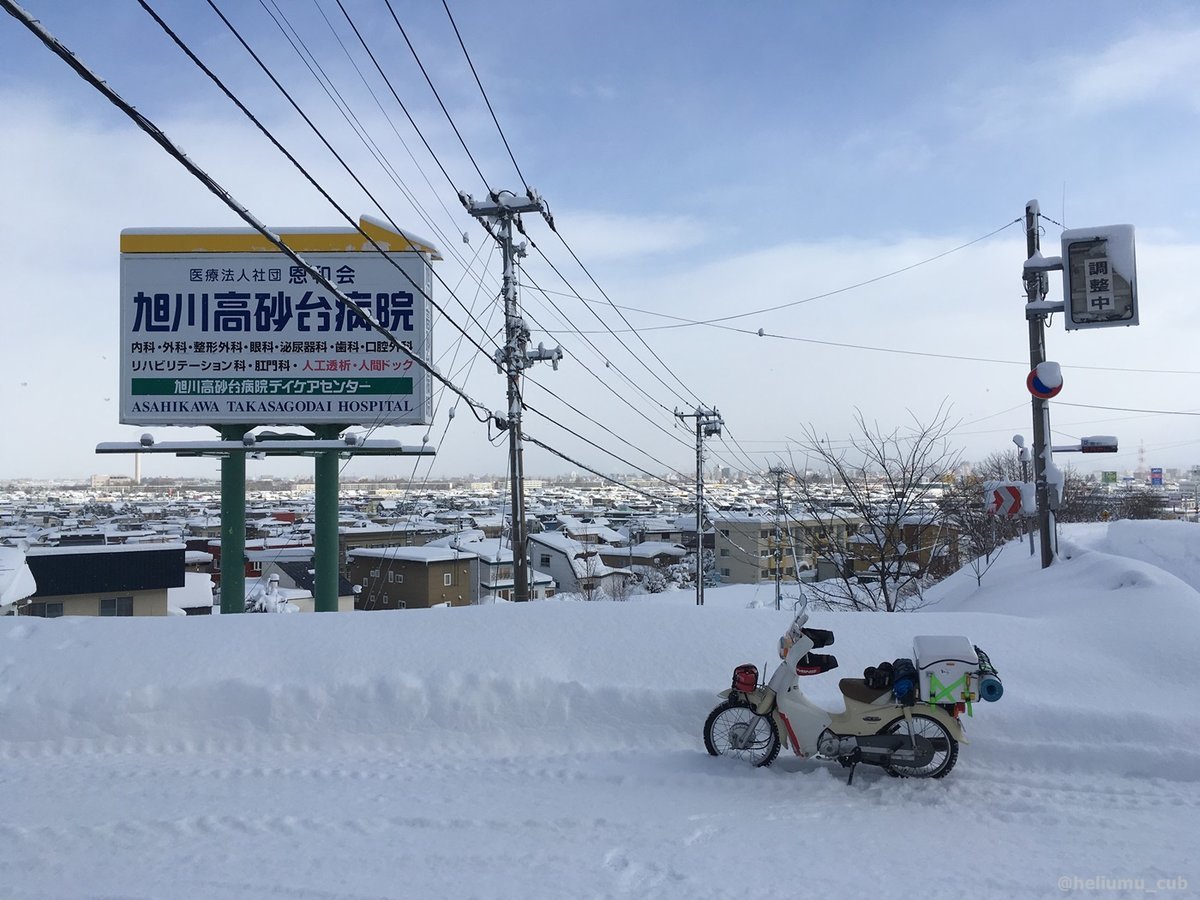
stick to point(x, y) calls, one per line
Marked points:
point(228, 338)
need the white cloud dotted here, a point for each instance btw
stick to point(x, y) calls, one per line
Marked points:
point(1150, 66)
point(605, 237)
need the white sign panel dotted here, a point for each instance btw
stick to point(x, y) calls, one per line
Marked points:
point(227, 338)
point(1099, 277)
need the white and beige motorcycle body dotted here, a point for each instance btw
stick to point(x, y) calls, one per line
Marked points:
point(913, 739)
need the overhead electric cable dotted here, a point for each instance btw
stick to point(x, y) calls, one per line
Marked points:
point(438, 96)
point(326, 83)
point(604, 356)
point(854, 286)
point(200, 64)
point(241, 211)
point(592, 279)
point(370, 90)
point(593, 444)
point(685, 322)
point(528, 437)
point(1156, 412)
point(458, 35)
point(549, 219)
point(696, 400)
point(404, 108)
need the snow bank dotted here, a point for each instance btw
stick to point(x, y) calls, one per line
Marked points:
point(554, 750)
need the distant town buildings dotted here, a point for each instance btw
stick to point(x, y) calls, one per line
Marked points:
point(113, 547)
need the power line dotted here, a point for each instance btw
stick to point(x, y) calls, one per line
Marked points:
point(1155, 412)
point(628, 324)
point(508, 147)
point(429, 81)
point(343, 106)
point(453, 24)
point(762, 333)
point(586, 468)
point(596, 446)
point(388, 82)
point(438, 96)
point(209, 182)
point(851, 287)
point(520, 227)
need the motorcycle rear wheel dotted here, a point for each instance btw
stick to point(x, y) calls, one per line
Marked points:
point(945, 748)
point(735, 729)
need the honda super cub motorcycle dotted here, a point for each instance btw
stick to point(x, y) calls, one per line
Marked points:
point(909, 726)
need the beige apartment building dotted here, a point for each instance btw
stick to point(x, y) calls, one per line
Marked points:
point(745, 545)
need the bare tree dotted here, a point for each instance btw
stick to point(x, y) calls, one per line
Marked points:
point(876, 517)
point(589, 579)
point(1139, 502)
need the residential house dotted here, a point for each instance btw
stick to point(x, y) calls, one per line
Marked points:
point(495, 571)
point(412, 577)
point(113, 580)
point(576, 567)
point(644, 555)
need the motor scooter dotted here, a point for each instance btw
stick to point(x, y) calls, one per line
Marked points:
point(890, 727)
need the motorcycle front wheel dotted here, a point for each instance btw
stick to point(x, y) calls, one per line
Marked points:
point(945, 748)
point(735, 729)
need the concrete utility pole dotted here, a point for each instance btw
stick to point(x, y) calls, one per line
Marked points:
point(1036, 285)
point(499, 211)
point(779, 476)
point(708, 423)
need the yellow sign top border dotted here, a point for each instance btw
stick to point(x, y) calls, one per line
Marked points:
point(302, 240)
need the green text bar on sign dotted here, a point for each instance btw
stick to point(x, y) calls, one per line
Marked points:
point(269, 387)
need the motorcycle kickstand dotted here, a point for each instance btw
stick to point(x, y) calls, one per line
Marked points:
point(854, 760)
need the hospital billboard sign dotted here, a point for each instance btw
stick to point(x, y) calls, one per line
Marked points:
point(219, 328)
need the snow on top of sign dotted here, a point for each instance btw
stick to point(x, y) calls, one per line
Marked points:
point(241, 230)
point(1049, 373)
point(1120, 245)
point(414, 239)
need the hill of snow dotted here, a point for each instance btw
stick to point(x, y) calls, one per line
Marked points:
point(554, 749)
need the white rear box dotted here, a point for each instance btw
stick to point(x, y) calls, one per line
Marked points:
point(948, 667)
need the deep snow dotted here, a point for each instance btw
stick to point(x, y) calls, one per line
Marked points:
point(554, 750)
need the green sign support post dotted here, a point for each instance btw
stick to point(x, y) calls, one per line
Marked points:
point(235, 443)
point(325, 486)
point(233, 524)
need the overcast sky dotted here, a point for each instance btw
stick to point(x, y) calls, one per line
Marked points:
point(703, 160)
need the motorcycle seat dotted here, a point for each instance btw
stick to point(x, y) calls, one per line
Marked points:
point(856, 689)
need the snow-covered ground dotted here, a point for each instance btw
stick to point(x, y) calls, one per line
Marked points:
point(553, 750)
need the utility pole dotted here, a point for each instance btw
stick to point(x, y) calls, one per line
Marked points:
point(1023, 459)
point(499, 212)
point(1036, 286)
point(708, 423)
point(779, 476)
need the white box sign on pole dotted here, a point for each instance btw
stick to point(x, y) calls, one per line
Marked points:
point(1099, 277)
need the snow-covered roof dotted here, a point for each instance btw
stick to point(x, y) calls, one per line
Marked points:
point(559, 541)
point(103, 548)
point(425, 554)
point(197, 590)
point(657, 548)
